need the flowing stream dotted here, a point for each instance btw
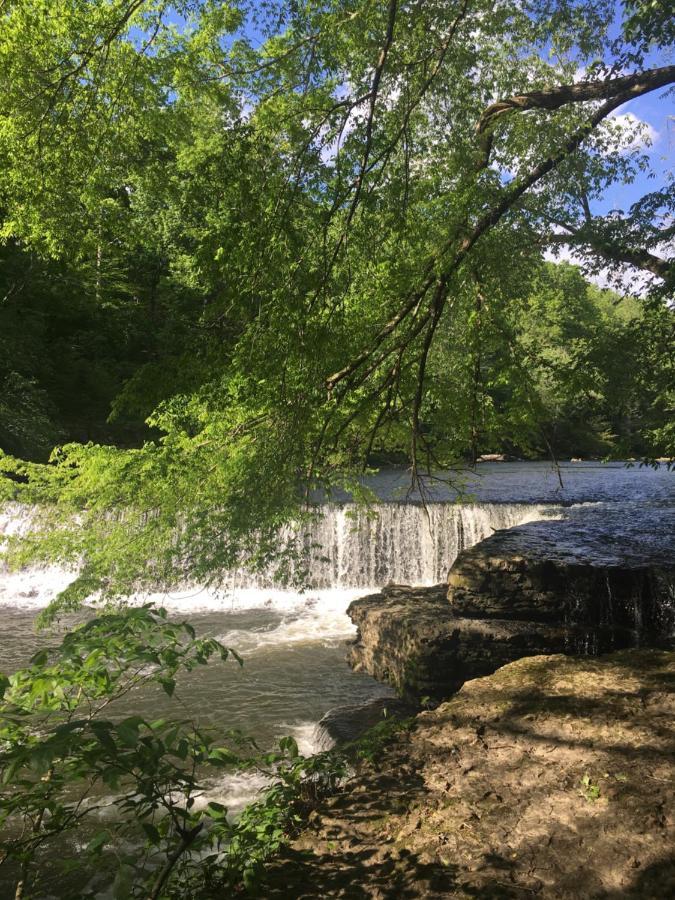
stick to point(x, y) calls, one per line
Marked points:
point(293, 642)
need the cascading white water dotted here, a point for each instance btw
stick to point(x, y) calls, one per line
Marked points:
point(345, 547)
point(403, 543)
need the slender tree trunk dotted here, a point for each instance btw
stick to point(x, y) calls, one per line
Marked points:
point(477, 363)
point(99, 260)
point(187, 840)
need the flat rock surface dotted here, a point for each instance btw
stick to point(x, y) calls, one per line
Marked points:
point(552, 778)
point(626, 535)
point(600, 566)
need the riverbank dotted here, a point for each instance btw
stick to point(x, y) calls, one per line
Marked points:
point(552, 777)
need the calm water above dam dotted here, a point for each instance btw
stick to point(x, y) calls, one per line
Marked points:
point(534, 482)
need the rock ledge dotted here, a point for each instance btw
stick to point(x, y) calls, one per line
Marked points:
point(597, 580)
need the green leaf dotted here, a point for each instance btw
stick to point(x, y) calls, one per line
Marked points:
point(168, 685)
point(151, 832)
point(102, 732)
point(128, 730)
point(98, 842)
point(40, 658)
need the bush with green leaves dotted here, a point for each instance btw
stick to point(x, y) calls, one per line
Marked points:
point(63, 748)
point(132, 794)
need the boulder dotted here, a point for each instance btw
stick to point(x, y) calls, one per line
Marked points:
point(597, 580)
point(411, 639)
point(344, 724)
point(608, 567)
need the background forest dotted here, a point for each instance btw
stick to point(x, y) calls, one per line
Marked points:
point(565, 367)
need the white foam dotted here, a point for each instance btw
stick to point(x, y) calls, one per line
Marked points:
point(235, 791)
point(15, 518)
point(307, 736)
point(318, 617)
point(30, 588)
point(251, 598)
point(33, 588)
point(348, 552)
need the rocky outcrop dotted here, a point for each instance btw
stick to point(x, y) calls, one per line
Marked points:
point(411, 639)
point(598, 566)
point(344, 724)
point(553, 778)
point(597, 580)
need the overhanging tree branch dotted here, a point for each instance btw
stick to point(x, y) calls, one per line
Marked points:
point(625, 86)
point(610, 250)
point(435, 272)
point(581, 92)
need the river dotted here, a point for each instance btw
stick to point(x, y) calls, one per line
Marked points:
point(293, 642)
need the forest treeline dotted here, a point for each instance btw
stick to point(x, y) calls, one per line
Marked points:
point(567, 368)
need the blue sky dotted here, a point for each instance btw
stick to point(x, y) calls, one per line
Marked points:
point(658, 113)
point(654, 110)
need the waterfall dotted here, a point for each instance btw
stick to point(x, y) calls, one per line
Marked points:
point(345, 546)
point(404, 543)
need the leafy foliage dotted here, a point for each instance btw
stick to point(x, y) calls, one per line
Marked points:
point(277, 245)
point(248, 247)
point(64, 749)
point(60, 749)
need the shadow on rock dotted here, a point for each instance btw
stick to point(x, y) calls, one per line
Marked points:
point(552, 778)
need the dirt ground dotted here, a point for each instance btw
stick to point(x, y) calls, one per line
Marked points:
point(552, 778)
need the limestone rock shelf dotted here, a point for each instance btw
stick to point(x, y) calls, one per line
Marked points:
point(553, 778)
point(599, 579)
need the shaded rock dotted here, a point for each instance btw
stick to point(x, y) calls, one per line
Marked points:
point(554, 777)
point(411, 638)
point(597, 580)
point(344, 724)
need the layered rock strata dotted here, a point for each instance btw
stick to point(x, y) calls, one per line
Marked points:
point(597, 580)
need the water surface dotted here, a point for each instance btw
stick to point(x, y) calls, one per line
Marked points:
point(293, 642)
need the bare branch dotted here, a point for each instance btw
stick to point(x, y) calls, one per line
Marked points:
point(581, 92)
point(88, 54)
point(437, 307)
point(374, 92)
point(428, 81)
point(413, 301)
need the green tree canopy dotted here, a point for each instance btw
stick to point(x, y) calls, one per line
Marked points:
point(327, 220)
